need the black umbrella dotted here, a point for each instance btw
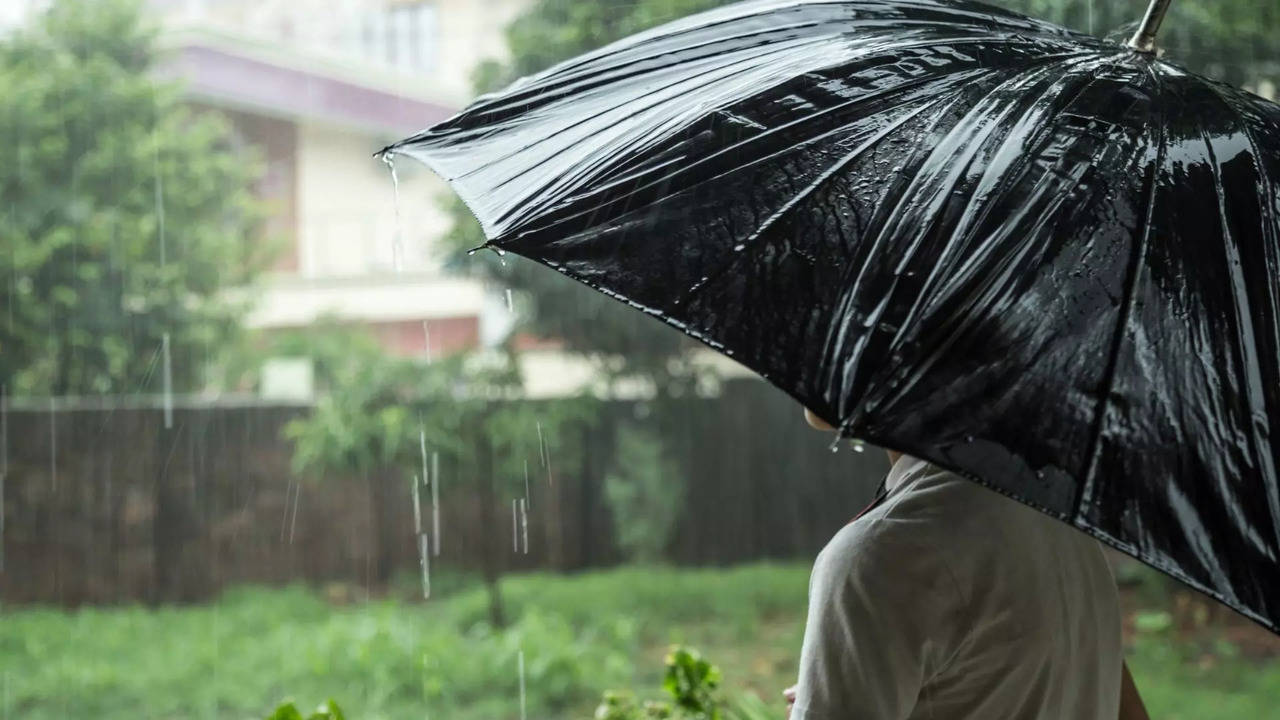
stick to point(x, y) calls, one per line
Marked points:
point(1044, 261)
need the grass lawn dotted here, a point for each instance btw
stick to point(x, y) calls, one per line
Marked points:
point(392, 659)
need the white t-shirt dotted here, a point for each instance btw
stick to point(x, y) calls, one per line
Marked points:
point(950, 601)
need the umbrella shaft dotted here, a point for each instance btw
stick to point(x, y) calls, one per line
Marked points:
point(1144, 40)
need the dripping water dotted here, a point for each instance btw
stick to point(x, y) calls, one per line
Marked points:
point(159, 198)
point(53, 445)
point(424, 559)
point(520, 662)
point(4, 460)
point(397, 243)
point(417, 507)
point(167, 379)
point(435, 500)
point(524, 524)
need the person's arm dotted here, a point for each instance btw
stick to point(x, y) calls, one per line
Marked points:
point(1131, 707)
point(882, 616)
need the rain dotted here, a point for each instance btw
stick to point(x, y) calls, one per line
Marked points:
point(242, 266)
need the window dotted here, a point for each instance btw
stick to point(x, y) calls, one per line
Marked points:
point(402, 36)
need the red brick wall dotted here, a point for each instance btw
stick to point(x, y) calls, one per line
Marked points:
point(448, 335)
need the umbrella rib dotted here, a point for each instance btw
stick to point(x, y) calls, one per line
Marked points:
point(669, 32)
point(1024, 159)
point(1126, 310)
point(815, 185)
point(754, 58)
point(737, 147)
point(625, 103)
point(1243, 319)
point(893, 217)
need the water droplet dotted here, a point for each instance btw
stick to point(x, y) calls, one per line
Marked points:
point(417, 507)
point(858, 446)
point(424, 561)
point(739, 247)
point(397, 243)
point(435, 500)
point(167, 370)
point(520, 661)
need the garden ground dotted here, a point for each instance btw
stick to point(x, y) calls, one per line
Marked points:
point(393, 658)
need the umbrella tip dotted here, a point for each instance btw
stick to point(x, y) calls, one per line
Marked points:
point(1144, 39)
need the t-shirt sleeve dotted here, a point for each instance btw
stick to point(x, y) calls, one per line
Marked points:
point(883, 617)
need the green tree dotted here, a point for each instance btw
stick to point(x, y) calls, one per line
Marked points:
point(1232, 40)
point(377, 413)
point(124, 214)
point(644, 491)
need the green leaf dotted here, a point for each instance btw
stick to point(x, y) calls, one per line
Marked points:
point(1152, 621)
point(287, 711)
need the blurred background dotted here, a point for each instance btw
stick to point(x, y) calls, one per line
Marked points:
point(268, 432)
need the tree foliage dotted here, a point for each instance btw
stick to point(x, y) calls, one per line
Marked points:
point(644, 490)
point(1232, 40)
point(124, 214)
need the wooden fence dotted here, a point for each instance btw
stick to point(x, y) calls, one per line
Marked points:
point(108, 506)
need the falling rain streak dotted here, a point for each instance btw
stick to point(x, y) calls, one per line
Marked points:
point(426, 341)
point(520, 671)
point(424, 545)
point(524, 524)
point(424, 559)
point(284, 518)
point(526, 482)
point(167, 379)
point(542, 450)
point(53, 445)
point(417, 507)
point(159, 193)
point(435, 500)
point(4, 460)
point(293, 519)
point(510, 304)
point(397, 242)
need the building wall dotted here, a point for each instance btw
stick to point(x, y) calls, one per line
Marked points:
point(276, 143)
point(471, 31)
point(457, 34)
point(347, 207)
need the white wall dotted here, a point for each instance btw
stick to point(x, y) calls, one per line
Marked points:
point(466, 33)
point(471, 31)
point(346, 229)
point(347, 209)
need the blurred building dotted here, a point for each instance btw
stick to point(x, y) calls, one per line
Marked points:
point(317, 87)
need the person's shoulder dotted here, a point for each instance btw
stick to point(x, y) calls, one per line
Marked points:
point(878, 542)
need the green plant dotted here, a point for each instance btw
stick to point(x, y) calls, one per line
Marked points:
point(645, 491)
point(327, 711)
point(379, 416)
point(690, 681)
point(581, 634)
point(125, 215)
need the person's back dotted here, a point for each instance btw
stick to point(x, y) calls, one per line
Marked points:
point(948, 600)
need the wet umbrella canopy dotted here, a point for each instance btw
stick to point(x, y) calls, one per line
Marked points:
point(1047, 262)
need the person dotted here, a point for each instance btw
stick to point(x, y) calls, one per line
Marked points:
point(947, 600)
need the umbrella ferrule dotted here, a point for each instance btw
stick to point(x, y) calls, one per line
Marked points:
point(1144, 39)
